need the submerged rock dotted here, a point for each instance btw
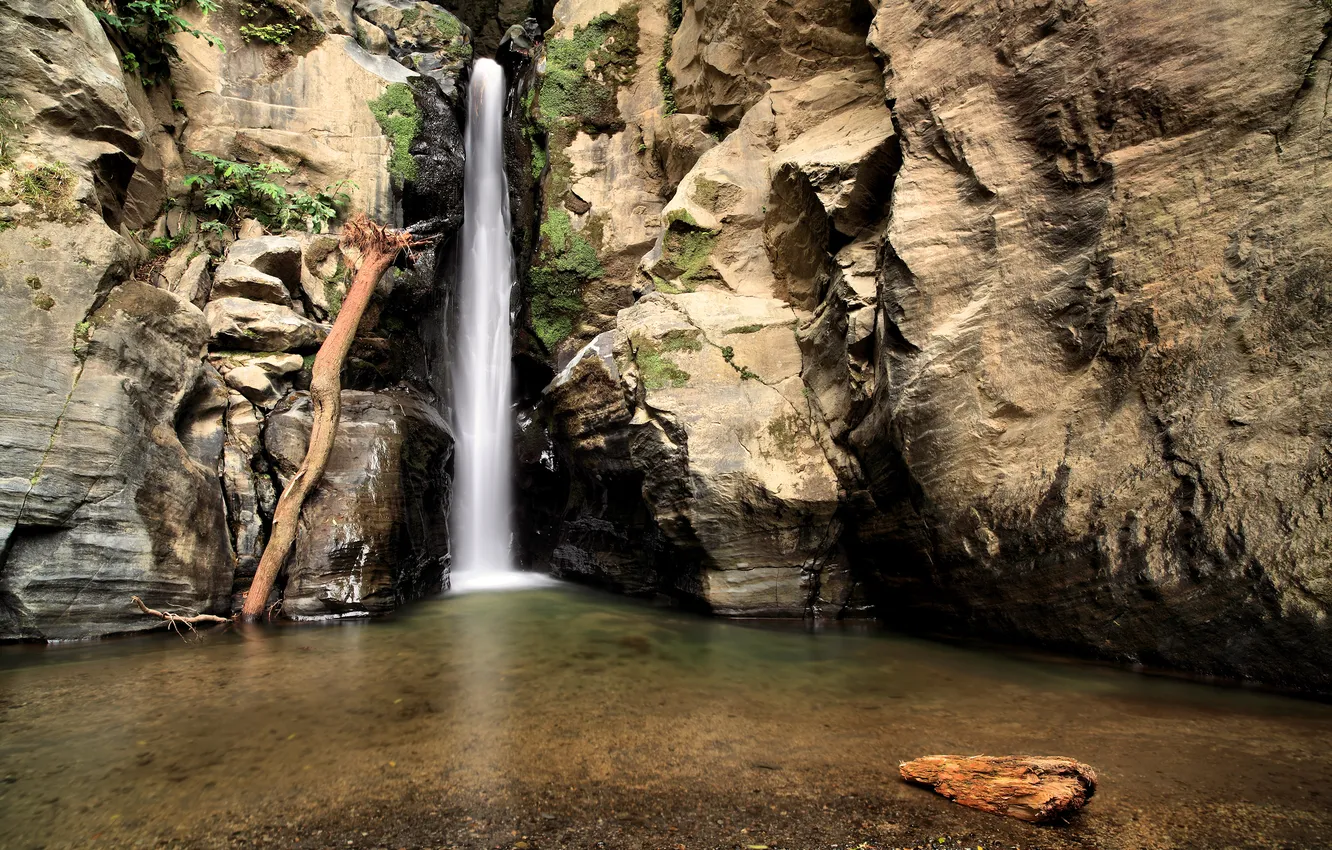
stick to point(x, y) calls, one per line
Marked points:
point(1031, 788)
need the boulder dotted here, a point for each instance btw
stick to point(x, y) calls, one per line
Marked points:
point(258, 385)
point(258, 326)
point(232, 280)
point(250, 229)
point(721, 437)
point(1038, 789)
point(375, 532)
point(196, 281)
point(262, 379)
point(278, 256)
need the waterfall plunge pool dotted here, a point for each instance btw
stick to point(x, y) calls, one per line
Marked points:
point(559, 717)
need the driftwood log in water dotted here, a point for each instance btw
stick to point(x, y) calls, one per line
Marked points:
point(379, 247)
point(1031, 788)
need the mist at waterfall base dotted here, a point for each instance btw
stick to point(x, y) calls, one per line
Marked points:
point(482, 377)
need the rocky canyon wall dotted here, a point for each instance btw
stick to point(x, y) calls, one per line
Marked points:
point(1007, 320)
point(1001, 319)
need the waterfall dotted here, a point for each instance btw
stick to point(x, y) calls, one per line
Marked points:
point(482, 377)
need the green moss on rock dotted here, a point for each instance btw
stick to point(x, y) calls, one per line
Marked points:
point(565, 263)
point(398, 117)
point(655, 368)
point(608, 45)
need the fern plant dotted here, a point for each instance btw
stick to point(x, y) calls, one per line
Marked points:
point(236, 190)
point(145, 28)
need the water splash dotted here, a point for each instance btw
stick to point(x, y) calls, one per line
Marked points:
point(482, 377)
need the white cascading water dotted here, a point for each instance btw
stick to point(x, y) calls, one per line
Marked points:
point(482, 380)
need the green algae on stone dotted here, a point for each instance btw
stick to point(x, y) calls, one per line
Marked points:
point(685, 253)
point(398, 117)
point(567, 260)
point(609, 45)
point(656, 370)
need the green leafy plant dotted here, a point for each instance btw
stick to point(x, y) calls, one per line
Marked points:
point(271, 33)
point(269, 21)
point(236, 190)
point(145, 27)
point(160, 245)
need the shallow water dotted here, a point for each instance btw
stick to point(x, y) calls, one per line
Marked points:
point(558, 717)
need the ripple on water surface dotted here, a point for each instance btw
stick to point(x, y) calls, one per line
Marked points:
point(575, 717)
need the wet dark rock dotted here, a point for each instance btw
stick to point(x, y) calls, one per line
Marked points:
point(375, 534)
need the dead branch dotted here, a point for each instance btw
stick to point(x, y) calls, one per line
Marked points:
point(379, 247)
point(175, 621)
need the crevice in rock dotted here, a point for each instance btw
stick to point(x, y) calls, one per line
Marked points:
point(50, 444)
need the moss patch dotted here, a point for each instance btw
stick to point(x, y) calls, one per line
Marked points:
point(684, 257)
point(679, 340)
point(656, 370)
point(785, 433)
point(569, 91)
point(566, 262)
point(398, 117)
point(746, 329)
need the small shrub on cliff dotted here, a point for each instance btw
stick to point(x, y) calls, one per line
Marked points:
point(144, 29)
point(49, 190)
point(236, 190)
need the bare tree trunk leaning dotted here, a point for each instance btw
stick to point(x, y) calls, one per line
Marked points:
point(379, 247)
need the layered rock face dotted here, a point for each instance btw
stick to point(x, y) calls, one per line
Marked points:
point(99, 498)
point(1003, 317)
point(1099, 419)
point(712, 423)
